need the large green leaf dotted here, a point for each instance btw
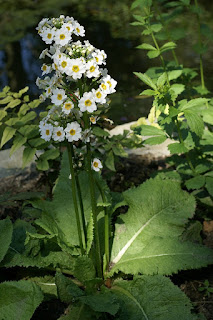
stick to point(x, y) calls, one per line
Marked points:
point(6, 231)
point(19, 299)
point(147, 236)
point(151, 298)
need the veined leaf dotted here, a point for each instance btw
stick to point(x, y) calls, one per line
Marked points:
point(7, 135)
point(153, 54)
point(177, 148)
point(19, 299)
point(146, 46)
point(195, 122)
point(147, 237)
point(28, 155)
point(195, 182)
point(161, 80)
point(6, 231)
point(193, 103)
point(168, 46)
point(146, 79)
point(17, 143)
point(146, 130)
point(155, 140)
point(110, 162)
point(167, 300)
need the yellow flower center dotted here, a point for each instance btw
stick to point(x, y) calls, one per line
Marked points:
point(103, 86)
point(68, 106)
point(62, 36)
point(47, 132)
point(95, 164)
point(72, 132)
point(75, 68)
point(88, 103)
point(58, 133)
point(44, 68)
point(96, 58)
point(49, 90)
point(59, 96)
point(98, 95)
point(49, 36)
point(68, 28)
point(56, 68)
point(64, 64)
point(92, 119)
point(92, 69)
point(109, 83)
point(78, 30)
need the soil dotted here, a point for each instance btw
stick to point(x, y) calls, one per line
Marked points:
point(129, 172)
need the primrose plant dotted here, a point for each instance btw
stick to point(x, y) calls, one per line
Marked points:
point(102, 264)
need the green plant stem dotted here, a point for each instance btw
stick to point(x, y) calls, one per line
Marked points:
point(82, 211)
point(74, 194)
point(187, 154)
point(161, 57)
point(93, 202)
point(200, 44)
point(106, 227)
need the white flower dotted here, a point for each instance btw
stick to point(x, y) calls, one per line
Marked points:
point(67, 106)
point(58, 96)
point(108, 84)
point(96, 164)
point(87, 102)
point(46, 131)
point(46, 69)
point(58, 134)
point(44, 53)
point(62, 36)
point(64, 64)
point(78, 30)
point(76, 68)
point(93, 119)
point(99, 96)
point(92, 69)
point(73, 131)
point(47, 35)
point(99, 56)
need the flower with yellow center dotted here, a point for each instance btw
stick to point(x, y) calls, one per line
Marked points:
point(46, 69)
point(78, 30)
point(96, 165)
point(46, 130)
point(67, 107)
point(92, 69)
point(58, 134)
point(58, 96)
point(87, 102)
point(47, 35)
point(76, 68)
point(99, 96)
point(73, 131)
point(62, 36)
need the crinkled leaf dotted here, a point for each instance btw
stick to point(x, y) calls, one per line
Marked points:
point(17, 143)
point(147, 236)
point(177, 148)
point(6, 231)
point(67, 289)
point(146, 79)
point(193, 103)
point(19, 299)
point(84, 269)
point(79, 311)
point(151, 298)
point(195, 122)
point(28, 155)
point(209, 185)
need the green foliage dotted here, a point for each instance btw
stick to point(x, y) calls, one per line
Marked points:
point(140, 246)
point(19, 299)
point(6, 230)
point(167, 300)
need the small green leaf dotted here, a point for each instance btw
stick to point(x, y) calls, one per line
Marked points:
point(110, 162)
point(17, 143)
point(195, 182)
point(97, 131)
point(28, 155)
point(22, 91)
point(6, 231)
point(119, 150)
point(146, 130)
point(6, 100)
point(146, 79)
point(42, 165)
point(67, 289)
point(7, 135)
point(148, 92)
point(155, 140)
point(153, 54)
point(156, 27)
point(13, 104)
point(50, 154)
point(168, 46)
point(161, 80)
point(146, 46)
point(3, 114)
point(177, 148)
point(193, 103)
point(84, 269)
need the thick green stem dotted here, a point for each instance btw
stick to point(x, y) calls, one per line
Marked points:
point(93, 202)
point(200, 45)
point(187, 154)
point(82, 211)
point(74, 194)
point(106, 226)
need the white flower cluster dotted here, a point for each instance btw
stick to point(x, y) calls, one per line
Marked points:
point(74, 81)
